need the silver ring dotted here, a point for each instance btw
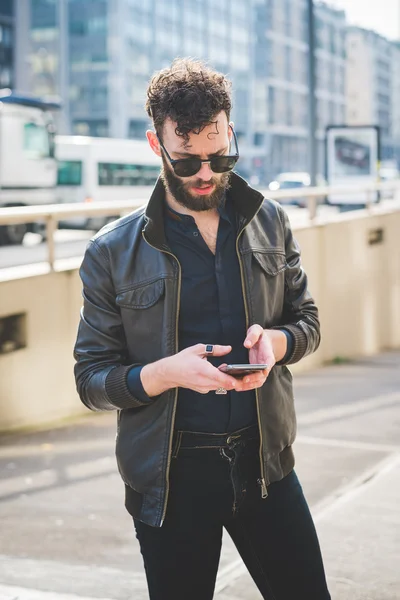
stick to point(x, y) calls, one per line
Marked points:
point(221, 391)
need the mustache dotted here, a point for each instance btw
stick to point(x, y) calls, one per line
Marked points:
point(201, 183)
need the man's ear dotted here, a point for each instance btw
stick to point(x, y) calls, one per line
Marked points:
point(230, 134)
point(153, 141)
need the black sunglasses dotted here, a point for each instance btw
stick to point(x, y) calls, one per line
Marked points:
point(186, 167)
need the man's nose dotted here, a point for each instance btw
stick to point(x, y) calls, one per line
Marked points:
point(205, 172)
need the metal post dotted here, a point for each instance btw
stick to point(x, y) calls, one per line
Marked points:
point(312, 116)
point(51, 226)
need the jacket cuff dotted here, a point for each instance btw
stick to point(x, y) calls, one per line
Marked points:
point(289, 347)
point(118, 391)
point(299, 347)
point(135, 385)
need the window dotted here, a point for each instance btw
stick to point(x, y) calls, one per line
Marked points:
point(5, 36)
point(7, 8)
point(36, 141)
point(288, 63)
point(123, 174)
point(69, 172)
point(5, 77)
point(271, 104)
point(289, 108)
point(12, 333)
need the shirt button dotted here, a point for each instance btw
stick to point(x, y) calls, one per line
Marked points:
point(196, 233)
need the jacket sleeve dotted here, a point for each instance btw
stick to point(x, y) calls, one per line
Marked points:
point(102, 362)
point(300, 314)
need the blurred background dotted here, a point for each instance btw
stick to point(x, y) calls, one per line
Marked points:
point(316, 107)
point(76, 71)
point(98, 55)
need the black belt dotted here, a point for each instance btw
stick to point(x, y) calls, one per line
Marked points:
point(196, 439)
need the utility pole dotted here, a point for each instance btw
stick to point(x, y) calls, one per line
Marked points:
point(312, 112)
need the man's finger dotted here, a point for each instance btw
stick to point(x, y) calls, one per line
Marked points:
point(253, 335)
point(213, 349)
point(259, 376)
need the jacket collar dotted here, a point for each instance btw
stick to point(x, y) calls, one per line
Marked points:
point(246, 202)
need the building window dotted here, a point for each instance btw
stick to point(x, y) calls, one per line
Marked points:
point(288, 64)
point(289, 108)
point(137, 129)
point(271, 104)
point(95, 128)
point(5, 77)
point(5, 36)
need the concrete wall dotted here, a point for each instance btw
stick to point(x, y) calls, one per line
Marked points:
point(356, 285)
point(36, 382)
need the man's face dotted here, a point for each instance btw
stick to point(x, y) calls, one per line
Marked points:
point(204, 190)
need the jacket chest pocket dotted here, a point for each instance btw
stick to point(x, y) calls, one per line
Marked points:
point(271, 263)
point(268, 286)
point(141, 297)
point(142, 313)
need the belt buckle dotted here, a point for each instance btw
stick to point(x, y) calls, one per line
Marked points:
point(230, 438)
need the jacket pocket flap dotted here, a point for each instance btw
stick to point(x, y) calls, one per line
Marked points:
point(271, 262)
point(143, 296)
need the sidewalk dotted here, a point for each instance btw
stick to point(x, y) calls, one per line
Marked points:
point(360, 536)
point(65, 534)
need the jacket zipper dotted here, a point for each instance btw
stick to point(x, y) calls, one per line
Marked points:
point(178, 304)
point(262, 481)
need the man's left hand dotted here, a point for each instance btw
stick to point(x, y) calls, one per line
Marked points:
point(266, 346)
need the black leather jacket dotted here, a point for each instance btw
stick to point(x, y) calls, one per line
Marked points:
point(131, 289)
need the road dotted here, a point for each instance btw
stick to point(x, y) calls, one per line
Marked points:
point(66, 535)
point(71, 243)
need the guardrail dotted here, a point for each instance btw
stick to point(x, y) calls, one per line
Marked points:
point(51, 214)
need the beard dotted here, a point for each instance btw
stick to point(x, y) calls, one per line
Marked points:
point(180, 190)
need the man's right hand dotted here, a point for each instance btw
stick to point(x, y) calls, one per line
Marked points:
point(187, 369)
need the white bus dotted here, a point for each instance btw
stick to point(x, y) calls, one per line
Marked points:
point(103, 169)
point(28, 169)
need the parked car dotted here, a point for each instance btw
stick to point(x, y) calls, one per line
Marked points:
point(291, 181)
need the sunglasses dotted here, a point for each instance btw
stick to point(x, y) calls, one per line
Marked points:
point(186, 167)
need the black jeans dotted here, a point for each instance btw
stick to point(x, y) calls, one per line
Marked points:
point(214, 484)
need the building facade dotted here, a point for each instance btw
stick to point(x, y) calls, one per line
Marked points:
point(373, 87)
point(7, 44)
point(99, 55)
point(281, 72)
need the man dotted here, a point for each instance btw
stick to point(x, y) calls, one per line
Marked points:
point(207, 272)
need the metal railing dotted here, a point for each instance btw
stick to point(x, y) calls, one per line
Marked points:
point(51, 214)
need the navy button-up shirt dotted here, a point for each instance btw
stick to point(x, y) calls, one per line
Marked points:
point(212, 312)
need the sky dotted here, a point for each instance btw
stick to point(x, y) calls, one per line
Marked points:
point(382, 16)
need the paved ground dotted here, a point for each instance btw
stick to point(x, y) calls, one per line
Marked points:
point(66, 536)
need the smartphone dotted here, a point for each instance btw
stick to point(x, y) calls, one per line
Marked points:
point(242, 370)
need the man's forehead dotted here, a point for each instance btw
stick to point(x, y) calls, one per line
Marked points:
point(211, 131)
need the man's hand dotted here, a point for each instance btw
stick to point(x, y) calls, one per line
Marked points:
point(187, 369)
point(266, 346)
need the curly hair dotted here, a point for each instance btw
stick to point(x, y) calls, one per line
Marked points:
point(189, 93)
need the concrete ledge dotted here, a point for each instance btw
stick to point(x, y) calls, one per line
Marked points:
point(353, 265)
